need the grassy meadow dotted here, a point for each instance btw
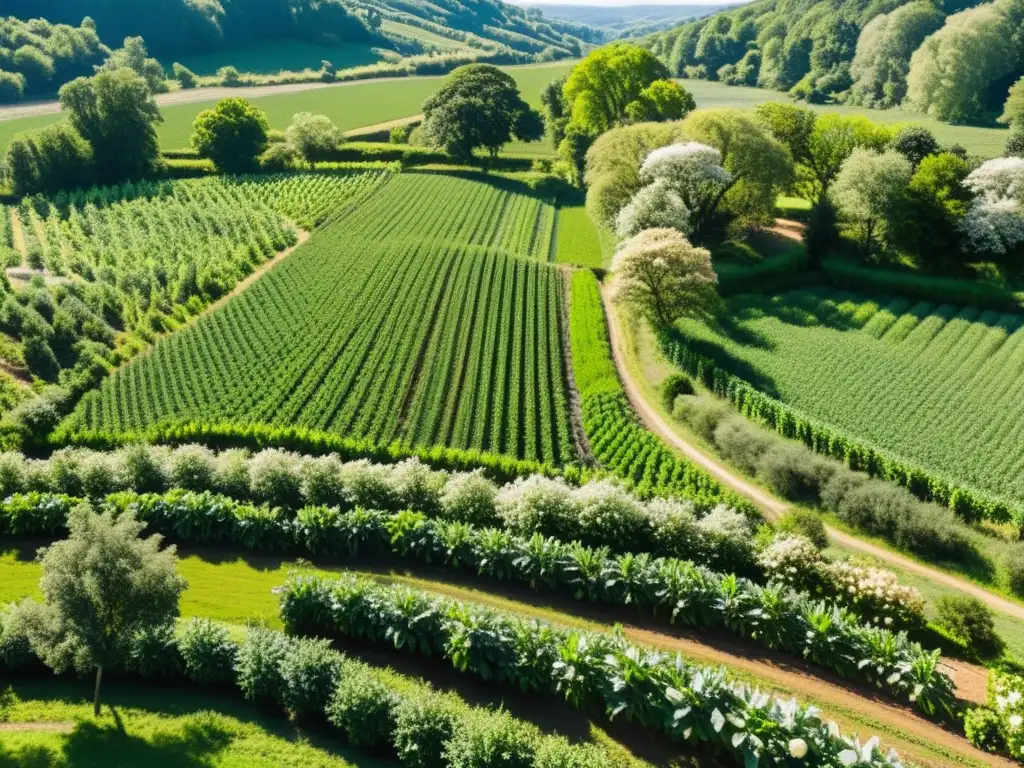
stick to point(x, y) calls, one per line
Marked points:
point(932, 384)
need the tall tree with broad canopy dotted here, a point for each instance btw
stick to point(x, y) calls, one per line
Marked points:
point(663, 277)
point(101, 587)
point(869, 191)
point(479, 106)
point(601, 88)
point(115, 112)
point(233, 135)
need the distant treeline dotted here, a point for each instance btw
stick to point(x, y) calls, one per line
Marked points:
point(37, 56)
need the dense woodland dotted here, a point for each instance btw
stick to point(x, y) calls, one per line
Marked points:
point(955, 60)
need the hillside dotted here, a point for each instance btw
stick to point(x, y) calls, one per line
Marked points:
point(625, 20)
point(37, 56)
point(869, 52)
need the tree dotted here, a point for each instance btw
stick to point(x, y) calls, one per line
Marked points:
point(556, 113)
point(832, 141)
point(882, 60)
point(915, 143)
point(115, 112)
point(869, 190)
point(661, 100)
point(663, 277)
point(1013, 109)
point(1015, 144)
point(12, 87)
point(233, 135)
point(49, 160)
point(692, 171)
point(135, 57)
point(994, 224)
point(314, 137)
point(101, 587)
point(936, 203)
point(656, 206)
point(602, 86)
point(790, 124)
point(478, 106)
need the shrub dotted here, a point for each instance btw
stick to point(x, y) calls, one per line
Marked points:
point(415, 486)
point(982, 727)
point(537, 504)
point(279, 157)
point(966, 617)
point(469, 497)
point(154, 653)
point(556, 752)
point(100, 474)
point(486, 740)
point(208, 653)
point(741, 442)
point(792, 560)
point(185, 76)
point(673, 526)
point(1013, 564)
point(145, 469)
point(367, 485)
point(274, 477)
point(423, 726)
point(258, 665)
point(675, 386)
point(310, 672)
point(605, 512)
point(232, 473)
point(193, 467)
point(15, 648)
point(793, 472)
point(805, 523)
point(229, 77)
point(399, 134)
point(321, 481)
point(363, 707)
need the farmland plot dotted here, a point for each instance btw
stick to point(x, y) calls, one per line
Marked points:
point(403, 319)
point(937, 386)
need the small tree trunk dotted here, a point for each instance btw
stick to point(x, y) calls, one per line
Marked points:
point(96, 695)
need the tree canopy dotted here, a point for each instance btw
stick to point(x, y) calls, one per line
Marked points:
point(233, 135)
point(869, 190)
point(314, 137)
point(478, 106)
point(115, 112)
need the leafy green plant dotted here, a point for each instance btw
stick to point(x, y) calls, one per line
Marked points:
point(363, 708)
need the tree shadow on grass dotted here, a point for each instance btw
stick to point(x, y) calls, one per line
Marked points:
point(24, 550)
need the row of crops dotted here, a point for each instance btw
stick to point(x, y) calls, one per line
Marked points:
point(937, 386)
point(577, 241)
point(395, 322)
point(116, 265)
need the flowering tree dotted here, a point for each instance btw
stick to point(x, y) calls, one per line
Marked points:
point(664, 277)
point(655, 206)
point(995, 221)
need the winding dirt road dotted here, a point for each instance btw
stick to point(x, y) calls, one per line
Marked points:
point(768, 504)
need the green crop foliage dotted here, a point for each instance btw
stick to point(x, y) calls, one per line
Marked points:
point(408, 318)
point(577, 242)
point(931, 385)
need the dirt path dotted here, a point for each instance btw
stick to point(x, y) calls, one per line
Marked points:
point(772, 507)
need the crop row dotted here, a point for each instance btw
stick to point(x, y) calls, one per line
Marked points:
point(592, 671)
point(920, 395)
point(617, 439)
point(377, 336)
point(577, 242)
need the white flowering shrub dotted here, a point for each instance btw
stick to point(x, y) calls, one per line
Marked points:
point(673, 525)
point(232, 473)
point(367, 485)
point(192, 467)
point(1006, 698)
point(537, 504)
point(726, 522)
point(469, 497)
point(274, 476)
point(417, 486)
point(606, 512)
point(321, 481)
point(792, 560)
point(875, 594)
point(995, 222)
point(655, 206)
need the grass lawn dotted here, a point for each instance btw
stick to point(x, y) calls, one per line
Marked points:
point(172, 728)
point(988, 142)
point(349, 106)
point(281, 56)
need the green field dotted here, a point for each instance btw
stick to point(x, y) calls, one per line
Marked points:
point(427, 314)
point(423, 35)
point(937, 386)
point(987, 142)
point(283, 56)
point(577, 242)
point(350, 105)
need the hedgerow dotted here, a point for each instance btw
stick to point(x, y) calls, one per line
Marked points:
point(307, 679)
point(592, 671)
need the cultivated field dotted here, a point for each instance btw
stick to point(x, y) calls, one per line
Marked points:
point(934, 385)
point(577, 242)
point(425, 314)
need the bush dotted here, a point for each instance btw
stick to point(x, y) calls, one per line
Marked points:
point(1013, 564)
point(469, 497)
point(485, 740)
point(982, 727)
point(556, 752)
point(310, 672)
point(258, 666)
point(363, 707)
point(207, 652)
point(185, 76)
point(674, 386)
point(278, 158)
point(741, 443)
point(15, 648)
point(274, 477)
point(12, 87)
point(805, 523)
point(538, 504)
point(970, 620)
point(155, 653)
point(400, 134)
point(703, 414)
point(145, 469)
point(192, 467)
point(321, 481)
point(229, 77)
point(232, 473)
point(415, 486)
point(423, 726)
point(605, 512)
point(367, 485)
point(793, 472)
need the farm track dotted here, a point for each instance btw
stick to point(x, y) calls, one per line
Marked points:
point(772, 507)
